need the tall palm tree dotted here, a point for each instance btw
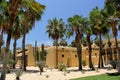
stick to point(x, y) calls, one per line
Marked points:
point(16, 34)
point(1, 43)
point(88, 32)
point(12, 9)
point(34, 10)
point(116, 3)
point(55, 30)
point(98, 28)
point(113, 18)
point(12, 12)
point(3, 20)
point(76, 26)
point(108, 37)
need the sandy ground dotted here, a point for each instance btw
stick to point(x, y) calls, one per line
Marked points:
point(53, 74)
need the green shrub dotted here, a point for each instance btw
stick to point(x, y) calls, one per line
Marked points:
point(84, 63)
point(61, 67)
point(11, 62)
point(113, 63)
point(118, 67)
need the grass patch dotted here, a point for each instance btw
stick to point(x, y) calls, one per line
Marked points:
point(109, 76)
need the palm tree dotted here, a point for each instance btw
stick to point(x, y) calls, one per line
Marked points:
point(16, 35)
point(55, 44)
point(76, 26)
point(1, 43)
point(12, 12)
point(109, 36)
point(3, 20)
point(88, 32)
point(98, 27)
point(116, 3)
point(34, 10)
point(55, 30)
point(11, 9)
point(113, 15)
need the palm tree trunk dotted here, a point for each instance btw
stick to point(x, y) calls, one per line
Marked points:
point(79, 49)
point(5, 59)
point(14, 52)
point(56, 51)
point(100, 61)
point(110, 49)
point(36, 56)
point(90, 52)
point(79, 53)
point(117, 49)
point(1, 44)
point(23, 49)
point(114, 29)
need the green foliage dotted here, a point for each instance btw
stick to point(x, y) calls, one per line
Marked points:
point(43, 53)
point(11, 62)
point(55, 28)
point(37, 56)
point(114, 63)
point(110, 9)
point(55, 43)
point(41, 63)
point(61, 67)
point(84, 63)
point(63, 42)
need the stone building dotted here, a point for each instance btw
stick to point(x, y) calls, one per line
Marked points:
point(67, 55)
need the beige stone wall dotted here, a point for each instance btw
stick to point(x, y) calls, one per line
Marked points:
point(50, 59)
point(29, 54)
point(66, 55)
point(95, 56)
point(74, 58)
point(30, 57)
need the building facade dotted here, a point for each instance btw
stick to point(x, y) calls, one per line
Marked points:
point(66, 55)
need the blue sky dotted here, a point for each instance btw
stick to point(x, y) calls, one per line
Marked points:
point(59, 9)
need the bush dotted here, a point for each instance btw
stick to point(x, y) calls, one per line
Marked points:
point(84, 63)
point(113, 63)
point(61, 67)
point(118, 67)
point(18, 73)
point(41, 65)
point(11, 62)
